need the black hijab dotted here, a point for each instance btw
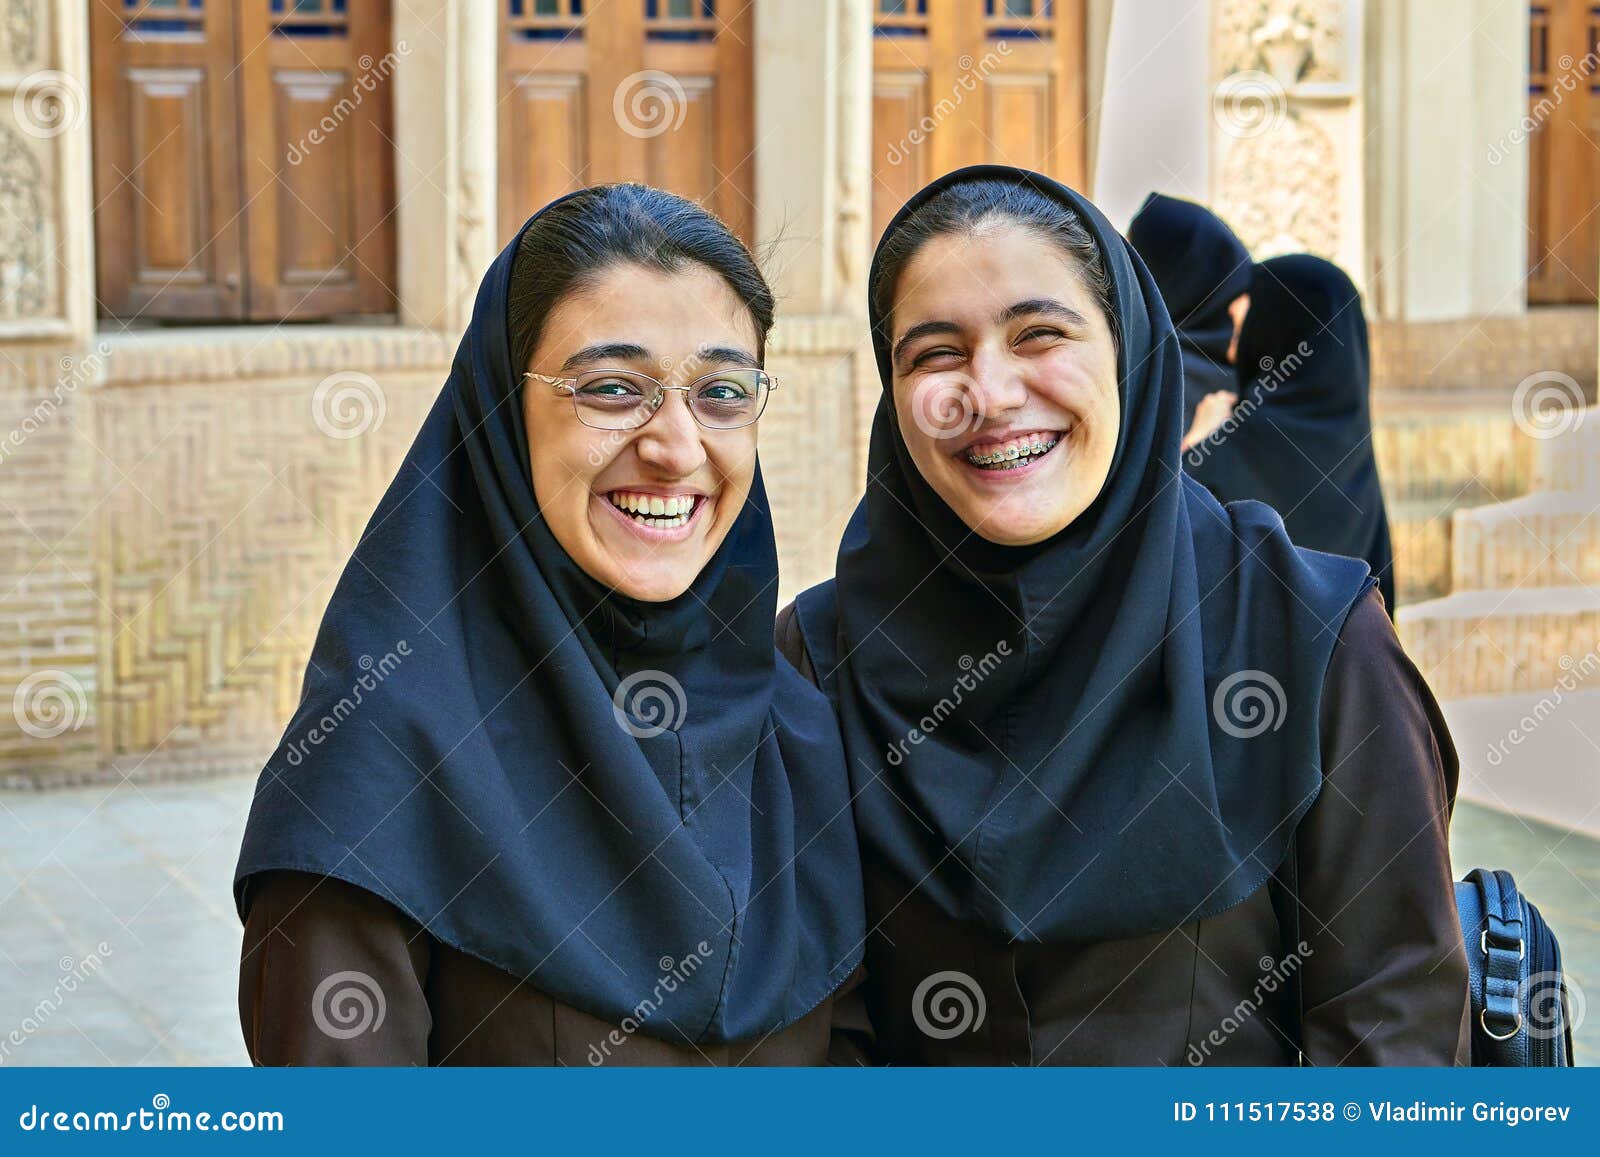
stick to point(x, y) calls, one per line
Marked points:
point(1301, 437)
point(1117, 729)
point(691, 845)
point(1200, 266)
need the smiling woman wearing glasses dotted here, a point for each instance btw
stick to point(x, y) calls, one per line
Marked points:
point(587, 816)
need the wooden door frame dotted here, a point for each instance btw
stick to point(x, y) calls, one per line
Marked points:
point(115, 182)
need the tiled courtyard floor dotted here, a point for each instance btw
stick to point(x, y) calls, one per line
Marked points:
point(128, 888)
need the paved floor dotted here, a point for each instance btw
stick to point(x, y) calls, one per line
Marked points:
point(118, 942)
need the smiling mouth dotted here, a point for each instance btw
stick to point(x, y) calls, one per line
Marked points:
point(1016, 453)
point(656, 511)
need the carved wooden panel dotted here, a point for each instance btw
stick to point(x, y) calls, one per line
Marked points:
point(657, 91)
point(961, 82)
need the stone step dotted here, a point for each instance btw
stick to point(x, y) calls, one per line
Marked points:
point(1550, 538)
point(1568, 455)
point(1490, 642)
point(1437, 452)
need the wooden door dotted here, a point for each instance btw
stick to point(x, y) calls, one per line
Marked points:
point(168, 235)
point(316, 156)
point(964, 82)
point(658, 91)
point(1564, 151)
point(243, 165)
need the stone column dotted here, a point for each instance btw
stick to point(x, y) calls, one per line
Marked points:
point(446, 125)
point(813, 93)
point(1154, 126)
point(48, 667)
point(1448, 187)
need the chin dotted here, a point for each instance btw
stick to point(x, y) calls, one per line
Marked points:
point(655, 583)
point(1004, 531)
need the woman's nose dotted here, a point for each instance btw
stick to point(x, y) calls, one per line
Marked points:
point(997, 383)
point(670, 442)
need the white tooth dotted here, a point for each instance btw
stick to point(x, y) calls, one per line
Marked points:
point(629, 504)
point(676, 506)
point(656, 506)
point(1012, 451)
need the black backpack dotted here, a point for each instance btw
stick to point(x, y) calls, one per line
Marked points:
point(1520, 1010)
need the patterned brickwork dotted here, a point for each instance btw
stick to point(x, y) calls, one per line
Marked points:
point(48, 662)
point(175, 528)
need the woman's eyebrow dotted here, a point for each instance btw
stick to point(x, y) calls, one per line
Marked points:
point(922, 329)
point(607, 351)
point(1045, 306)
point(727, 355)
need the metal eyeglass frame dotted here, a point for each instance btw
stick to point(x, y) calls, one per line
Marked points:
point(569, 386)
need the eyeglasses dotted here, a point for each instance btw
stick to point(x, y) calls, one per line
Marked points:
point(626, 400)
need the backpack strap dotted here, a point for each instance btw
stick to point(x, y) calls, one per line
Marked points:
point(1504, 946)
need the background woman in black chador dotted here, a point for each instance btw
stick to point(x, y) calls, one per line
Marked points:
point(1203, 271)
point(1086, 706)
point(577, 812)
point(1300, 437)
